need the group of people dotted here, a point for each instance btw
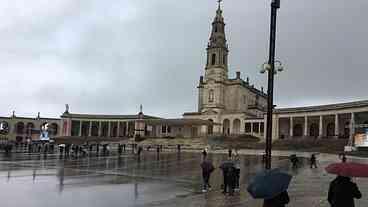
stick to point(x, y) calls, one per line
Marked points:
point(342, 191)
point(230, 171)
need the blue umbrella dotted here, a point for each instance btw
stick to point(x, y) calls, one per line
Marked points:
point(269, 183)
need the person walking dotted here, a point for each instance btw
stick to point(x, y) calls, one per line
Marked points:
point(228, 172)
point(231, 179)
point(207, 169)
point(313, 161)
point(278, 201)
point(204, 153)
point(237, 171)
point(343, 157)
point(342, 192)
point(294, 160)
point(140, 149)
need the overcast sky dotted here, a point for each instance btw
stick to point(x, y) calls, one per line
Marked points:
point(111, 56)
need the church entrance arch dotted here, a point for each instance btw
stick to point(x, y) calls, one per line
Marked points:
point(236, 126)
point(346, 130)
point(313, 130)
point(330, 130)
point(210, 127)
point(298, 130)
point(226, 127)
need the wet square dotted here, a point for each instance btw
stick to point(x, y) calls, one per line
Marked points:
point(109, 180)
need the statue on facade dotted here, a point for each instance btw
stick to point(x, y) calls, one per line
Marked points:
point(66, 108)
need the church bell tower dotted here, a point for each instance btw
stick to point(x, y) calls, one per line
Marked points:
point(212, 86)
point(217, 49)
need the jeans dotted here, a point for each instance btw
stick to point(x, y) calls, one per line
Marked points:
point(206, 181)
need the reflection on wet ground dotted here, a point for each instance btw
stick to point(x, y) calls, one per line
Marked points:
point(38, 180)
point(173, 179)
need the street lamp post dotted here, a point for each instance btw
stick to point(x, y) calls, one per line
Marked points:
point(275, 4)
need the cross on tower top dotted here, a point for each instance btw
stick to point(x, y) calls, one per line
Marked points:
point(219, 3)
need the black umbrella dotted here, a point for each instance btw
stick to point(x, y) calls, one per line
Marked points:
point(227, 164)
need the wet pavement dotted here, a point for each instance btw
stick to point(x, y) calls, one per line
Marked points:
point(172, 180)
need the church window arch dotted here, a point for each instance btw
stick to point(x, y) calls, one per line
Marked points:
point(213, 59)
point(211, 96)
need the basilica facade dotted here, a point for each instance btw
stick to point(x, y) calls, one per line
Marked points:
point(227, 101)
point(237, 107)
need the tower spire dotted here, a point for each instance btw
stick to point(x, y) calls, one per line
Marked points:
point(219, 4)
point(217, 49)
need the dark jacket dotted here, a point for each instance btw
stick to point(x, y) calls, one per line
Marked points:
point(207, 167)
point(342, 192)
point(279, 201)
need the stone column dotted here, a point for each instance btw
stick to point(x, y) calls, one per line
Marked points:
point(265, 128)
point(118, 134)
point(259, 127)
point(337, 125)
point(99, 128)
point(90, 129)
point(80, 128)
point(109, 130)
point(306, 126)
point(352, 128)
point(251, 128)
point(275, 127)
point(231, 125)
point(242, 127)
point(127, 128)
point(320, 126)
point(291, 127)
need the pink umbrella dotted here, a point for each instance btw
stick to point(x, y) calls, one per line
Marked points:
point(348, 169)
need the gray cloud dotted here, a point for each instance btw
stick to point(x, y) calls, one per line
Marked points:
point(109, 58)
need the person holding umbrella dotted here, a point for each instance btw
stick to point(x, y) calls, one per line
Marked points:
point(204, 153)
point(278, 201)
point(228, 172)
point(270, 185)
point(313, 161)
point(207, 169)
point(237, 170)
point(294, 160)
point(342, 190)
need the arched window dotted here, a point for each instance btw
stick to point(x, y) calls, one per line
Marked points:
point(213, 59)
point(4, 127)
point(216, 29)
point(29, 128)
point(54, 129)
point(19, 128)
point(211, 96)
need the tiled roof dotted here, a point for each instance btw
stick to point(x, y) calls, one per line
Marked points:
point(328, 107)
point(30, 118)
point(179, 122)
point(104, 116)
point(191, 113)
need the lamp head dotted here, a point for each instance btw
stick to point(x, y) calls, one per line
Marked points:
point(280, 68)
